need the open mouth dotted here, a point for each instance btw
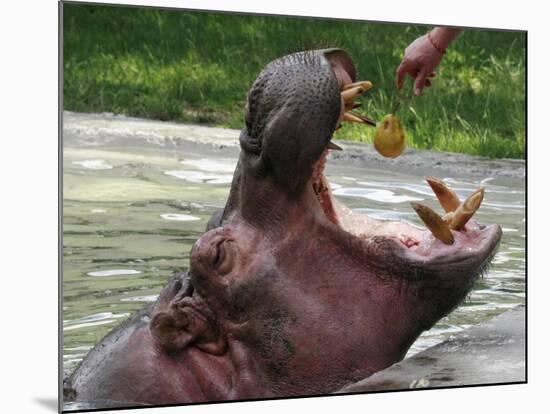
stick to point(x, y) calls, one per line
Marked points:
point(451, 237)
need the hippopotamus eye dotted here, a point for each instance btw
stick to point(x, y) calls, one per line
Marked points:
point(219, 254)
point(222, 257)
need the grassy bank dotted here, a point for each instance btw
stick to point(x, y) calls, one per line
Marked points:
point(197, 67)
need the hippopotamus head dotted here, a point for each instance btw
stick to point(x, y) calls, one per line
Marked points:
point(315, 295)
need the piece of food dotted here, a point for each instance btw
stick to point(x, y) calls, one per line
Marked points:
point(389, 138)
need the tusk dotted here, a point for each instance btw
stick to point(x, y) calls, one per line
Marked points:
point(364, 119)
point(354, 117)
point(366, 85)
point(350, 94)
point(434, 223)
point(351, 117)
point(447, 197)
point(331, 145)
point(447, 217)
point(466, 210)
point(352, 105)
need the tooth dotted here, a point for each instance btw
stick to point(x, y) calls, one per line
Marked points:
point(351, 117)
point(365, 119)
point(350, 94)
point(352, 105)
point(354, 117)
point(466, 210)
point(434, 223)
point(447, 197)
point(324, 184)
point(331, 145)
point(447, 217)
point(366, 85)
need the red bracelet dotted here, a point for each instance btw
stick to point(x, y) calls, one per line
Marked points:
point(439, 49)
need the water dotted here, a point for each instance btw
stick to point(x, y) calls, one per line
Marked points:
point(131, 215)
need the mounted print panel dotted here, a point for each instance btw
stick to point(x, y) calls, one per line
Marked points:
point(260, 207)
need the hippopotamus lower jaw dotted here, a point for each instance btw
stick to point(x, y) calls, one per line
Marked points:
point(356, 290)
point(473, 244)
point(400, 251)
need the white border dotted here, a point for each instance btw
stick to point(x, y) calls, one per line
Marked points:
point(28, 96)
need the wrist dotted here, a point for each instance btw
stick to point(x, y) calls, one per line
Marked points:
point(437, 45)
point(442, 37)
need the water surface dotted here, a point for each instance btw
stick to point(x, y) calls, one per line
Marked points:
point(132, 213)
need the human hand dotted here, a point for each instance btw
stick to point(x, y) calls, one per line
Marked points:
point(420, 60)
point(423, 55)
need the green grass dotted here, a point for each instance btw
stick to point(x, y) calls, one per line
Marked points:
point(197, 67)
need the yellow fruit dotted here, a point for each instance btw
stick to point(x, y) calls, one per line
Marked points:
point(389, 138)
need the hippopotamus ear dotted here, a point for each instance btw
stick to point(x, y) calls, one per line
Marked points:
point(339, 59)
point(186, 321)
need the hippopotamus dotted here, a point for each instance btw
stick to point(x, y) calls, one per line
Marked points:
point(288, 292)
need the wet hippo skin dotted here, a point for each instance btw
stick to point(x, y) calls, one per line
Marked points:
point(289, 293)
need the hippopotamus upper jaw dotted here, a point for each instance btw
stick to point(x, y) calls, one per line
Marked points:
point(292, 111)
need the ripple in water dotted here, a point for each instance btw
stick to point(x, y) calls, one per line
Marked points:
point(201, 177)
point(94, 164)
point(95, 319)
point(205, 164)
point(383, 196)
point(113, 272)
point(414, 188)
point(147, 298)
point(387, 214)
point(179, 217)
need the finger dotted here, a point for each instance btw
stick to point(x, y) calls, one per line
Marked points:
point(419, 82)
point(402, 70)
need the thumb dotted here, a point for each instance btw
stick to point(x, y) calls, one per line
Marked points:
point(420, 82)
